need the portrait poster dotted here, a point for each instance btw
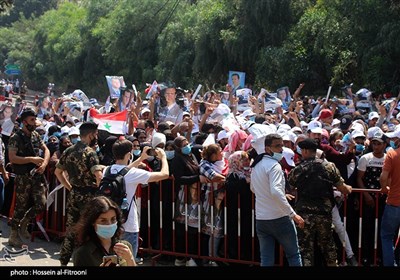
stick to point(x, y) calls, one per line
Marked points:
point(345, 106)
point(242, 79)
point(114, 84)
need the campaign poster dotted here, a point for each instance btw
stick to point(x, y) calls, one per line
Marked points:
point(236, 79)
point(115, 83)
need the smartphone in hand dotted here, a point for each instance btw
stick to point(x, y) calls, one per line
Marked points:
point(112, 258)
point(151, 152)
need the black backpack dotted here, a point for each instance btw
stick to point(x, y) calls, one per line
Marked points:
point(113, 185)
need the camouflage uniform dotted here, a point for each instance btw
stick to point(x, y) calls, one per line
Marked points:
point(314, 180)
point(80, 161)
point(30, 192)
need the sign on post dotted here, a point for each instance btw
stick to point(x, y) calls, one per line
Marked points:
point(12, 67)
point(12, 72)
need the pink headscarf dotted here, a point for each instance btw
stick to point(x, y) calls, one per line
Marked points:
point(234, 139)
point(235, 165)
point(247, 143)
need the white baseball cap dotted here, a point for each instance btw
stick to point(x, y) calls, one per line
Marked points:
point(74, 131)
point(288, 154)
point(248, 113)
point(335, 122)
point(394, 134)
point(372, 130)
point(222, 135)
point(65, 129)
point(357, 133)
point(296, 129)
point(315, 127)
point(373, 115)
point(144, 110)
point(289, 136)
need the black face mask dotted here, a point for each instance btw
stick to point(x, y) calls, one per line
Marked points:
point(93, 142)
point(53, 146)
point(30, 127)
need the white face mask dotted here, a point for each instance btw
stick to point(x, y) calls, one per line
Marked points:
point(298, 150)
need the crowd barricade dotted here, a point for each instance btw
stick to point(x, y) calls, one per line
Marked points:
point(186, 206)
point(178, 221)
point(359, 222)
point(52, 221)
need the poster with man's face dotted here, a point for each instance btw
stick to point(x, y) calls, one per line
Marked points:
point(236, 79)
point(114, 84)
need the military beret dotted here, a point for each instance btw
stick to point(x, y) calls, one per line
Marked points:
point(308, 144)
point(27, 112)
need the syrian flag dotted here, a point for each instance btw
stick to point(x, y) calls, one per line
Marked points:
point(113, 123)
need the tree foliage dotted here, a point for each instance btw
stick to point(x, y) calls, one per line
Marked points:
point(25, 8)
point(5, 4)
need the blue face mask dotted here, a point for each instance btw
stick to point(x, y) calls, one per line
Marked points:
point(393, 144)
point(150, 158)
point(277, 156)
point(253, 118)
point(170, 154)
point(57, 134)
point(298, 150)
point(360, 148)
point(136, 153)
point(75, 140)
point(186, 150)
point(106, 231)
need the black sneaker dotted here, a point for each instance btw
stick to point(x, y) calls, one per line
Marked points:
point(352, 261)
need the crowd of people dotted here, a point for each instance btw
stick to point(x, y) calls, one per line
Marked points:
point(211, 155)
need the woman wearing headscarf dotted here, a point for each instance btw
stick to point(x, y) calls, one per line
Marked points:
point(239, 196)
point(106, 151)
point(236, 141)
point(185, 170)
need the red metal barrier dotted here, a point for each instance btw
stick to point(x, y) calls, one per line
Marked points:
point(358, 196)
point(54, 224)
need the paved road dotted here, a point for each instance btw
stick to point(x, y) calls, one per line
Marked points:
point(40, 252)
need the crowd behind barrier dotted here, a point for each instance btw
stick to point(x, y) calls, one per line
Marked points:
point(169, 222)
point(216, 222)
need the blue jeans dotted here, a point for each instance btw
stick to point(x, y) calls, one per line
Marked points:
point(389, 226)
point(282, 230)
point(133, 238)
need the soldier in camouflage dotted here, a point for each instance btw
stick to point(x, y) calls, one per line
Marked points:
point(81, 163)
point(314, 180)
point(30, 194)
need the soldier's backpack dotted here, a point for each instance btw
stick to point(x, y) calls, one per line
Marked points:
point(113, 185)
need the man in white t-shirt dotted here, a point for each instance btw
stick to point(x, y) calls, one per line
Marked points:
point(122, 153)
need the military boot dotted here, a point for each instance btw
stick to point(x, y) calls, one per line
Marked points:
point(15, 240)
point(23, 228)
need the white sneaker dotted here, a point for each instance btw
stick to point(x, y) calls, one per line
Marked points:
point(212, 263)
point(179, 262)
point(191, 262)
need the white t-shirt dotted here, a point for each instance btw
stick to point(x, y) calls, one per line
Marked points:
point(372, 166)
point(134, 177)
